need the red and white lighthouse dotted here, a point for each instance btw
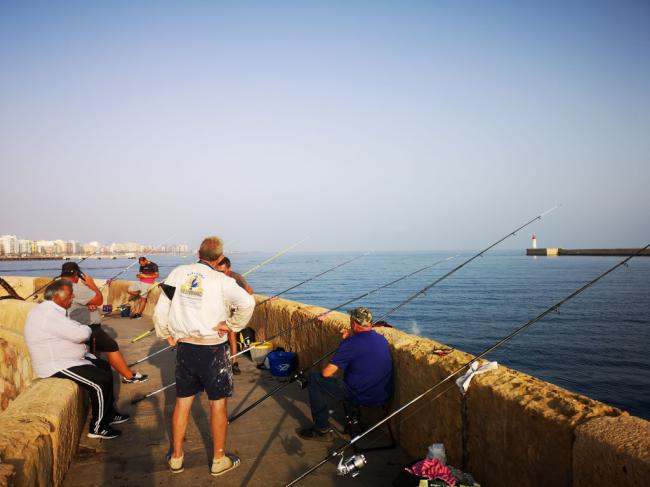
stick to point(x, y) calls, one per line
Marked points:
point(534, 241)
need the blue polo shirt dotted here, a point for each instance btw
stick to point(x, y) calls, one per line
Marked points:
point(367, 367)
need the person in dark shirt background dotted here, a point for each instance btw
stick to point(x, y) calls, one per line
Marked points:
point(139, 290)
point(224, 266)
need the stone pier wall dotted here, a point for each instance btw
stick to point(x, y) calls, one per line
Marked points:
point(509, 429)
point(40, 419)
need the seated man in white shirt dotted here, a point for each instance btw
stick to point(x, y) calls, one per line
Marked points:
point(57, 347)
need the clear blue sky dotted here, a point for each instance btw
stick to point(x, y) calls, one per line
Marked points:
point(363, 125)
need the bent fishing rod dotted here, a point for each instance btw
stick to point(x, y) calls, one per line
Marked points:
point(310, 320)
point(551, 309)
point(249, 271)
point(275, 296)
point(300, 376)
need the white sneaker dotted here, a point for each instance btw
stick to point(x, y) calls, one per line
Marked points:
point(224, 464)
point(175, 464)
point(136, 379)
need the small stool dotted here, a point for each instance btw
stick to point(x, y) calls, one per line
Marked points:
point(353, 425)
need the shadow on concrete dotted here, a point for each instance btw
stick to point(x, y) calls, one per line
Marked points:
point(264, 438)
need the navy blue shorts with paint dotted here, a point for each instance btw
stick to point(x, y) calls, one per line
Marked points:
point(203, 368)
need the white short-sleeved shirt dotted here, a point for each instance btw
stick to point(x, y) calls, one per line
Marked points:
point(55, 342)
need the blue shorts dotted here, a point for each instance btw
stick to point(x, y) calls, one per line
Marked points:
point(203, 368)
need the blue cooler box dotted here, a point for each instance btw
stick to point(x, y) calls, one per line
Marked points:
point(281, 363)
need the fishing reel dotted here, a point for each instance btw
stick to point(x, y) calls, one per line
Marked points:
point(352, 466)
point(301, 380)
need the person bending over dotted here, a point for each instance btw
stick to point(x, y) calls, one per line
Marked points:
point(364, 357)
point(224, 266)
point(57, 346)
point(87, 299)
point(204, 306)
point(139, 290)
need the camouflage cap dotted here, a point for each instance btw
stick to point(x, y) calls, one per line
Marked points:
point(361, 315)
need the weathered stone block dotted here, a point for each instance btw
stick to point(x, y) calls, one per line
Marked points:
point(63, 405)
point(26, 444)
point(15, 365)
point(520, 429)
point(612, 451)
point(7, 475)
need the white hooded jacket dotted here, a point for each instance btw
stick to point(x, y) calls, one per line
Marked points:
point(203, 297)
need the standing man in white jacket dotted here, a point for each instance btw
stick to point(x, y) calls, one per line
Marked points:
point(195, 313)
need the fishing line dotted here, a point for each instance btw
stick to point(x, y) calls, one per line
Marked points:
point(90, 268)
point(310, 279)
point(35, 293)
point(249, 271)
point(282, 252)
point(148, 332)
point(300, 376)
point(551, 309)
point(108, 281)
point(311, 320)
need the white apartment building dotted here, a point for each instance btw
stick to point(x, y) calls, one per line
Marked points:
point(8, 245)
point(26, 247)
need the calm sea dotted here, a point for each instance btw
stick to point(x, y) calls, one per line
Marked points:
point(597, 345)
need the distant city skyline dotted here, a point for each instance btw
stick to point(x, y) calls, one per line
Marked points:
point(12, 245)
point(357, 125)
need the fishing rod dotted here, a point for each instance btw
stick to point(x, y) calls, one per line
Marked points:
point(282, 252)
point(110, 280)
point(58, 268)
point(510, 234)
point(316, 318)
point(300, 376)
point(249, 271)
point(310, 320)
point(88, 257)
point(479, 254)
point(275, 296)
point(148, 332)
point(35, 293)
point(359, 461)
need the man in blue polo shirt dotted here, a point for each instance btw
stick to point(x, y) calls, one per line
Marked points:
point(364, 357)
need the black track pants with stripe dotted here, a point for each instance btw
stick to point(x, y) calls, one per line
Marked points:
point(97, 379)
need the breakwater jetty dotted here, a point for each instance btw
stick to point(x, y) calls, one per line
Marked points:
point(553, 251)
point(509, 429)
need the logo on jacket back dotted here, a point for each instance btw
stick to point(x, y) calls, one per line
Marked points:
point(191, 288)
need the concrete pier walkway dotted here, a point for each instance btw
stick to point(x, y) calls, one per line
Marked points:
point(265, 440)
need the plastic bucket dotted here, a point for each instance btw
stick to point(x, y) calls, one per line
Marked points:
point(281, 363)
point(107, 308)
point(259, 353)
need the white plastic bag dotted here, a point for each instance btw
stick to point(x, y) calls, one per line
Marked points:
point(437, 450)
